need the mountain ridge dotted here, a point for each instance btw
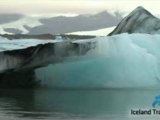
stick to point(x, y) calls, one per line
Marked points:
point(61, 24)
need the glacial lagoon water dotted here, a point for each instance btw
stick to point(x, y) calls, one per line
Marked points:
point(75, 104)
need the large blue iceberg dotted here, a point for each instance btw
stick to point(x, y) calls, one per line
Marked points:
point(125, 60)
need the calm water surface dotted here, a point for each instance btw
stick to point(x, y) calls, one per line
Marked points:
point(49, 104)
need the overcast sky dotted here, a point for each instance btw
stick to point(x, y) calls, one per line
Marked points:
point(40, 7)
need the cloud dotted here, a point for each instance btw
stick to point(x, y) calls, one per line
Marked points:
point(74, 6)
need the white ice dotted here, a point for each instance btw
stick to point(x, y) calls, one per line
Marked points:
point(118, 61)
point(99, 32)
point(16, 44)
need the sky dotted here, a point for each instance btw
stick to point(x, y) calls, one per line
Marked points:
point(41, 7)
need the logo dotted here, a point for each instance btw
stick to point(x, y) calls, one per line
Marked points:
point(156, 102)
point(154, 111)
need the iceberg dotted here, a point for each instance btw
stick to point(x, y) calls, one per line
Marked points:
point(125, 60)
point(15, 53)
point(138, 21)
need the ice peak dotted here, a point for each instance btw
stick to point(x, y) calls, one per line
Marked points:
point(138, 21)
point(140, 10)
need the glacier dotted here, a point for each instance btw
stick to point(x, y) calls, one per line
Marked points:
point(99, 32)
point(124, 60)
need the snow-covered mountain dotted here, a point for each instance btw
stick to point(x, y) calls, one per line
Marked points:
point(138, 21)
point(62, 24)
point(18, 26)
point(57, 24)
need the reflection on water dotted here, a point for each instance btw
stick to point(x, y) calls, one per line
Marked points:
point(113, 104)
